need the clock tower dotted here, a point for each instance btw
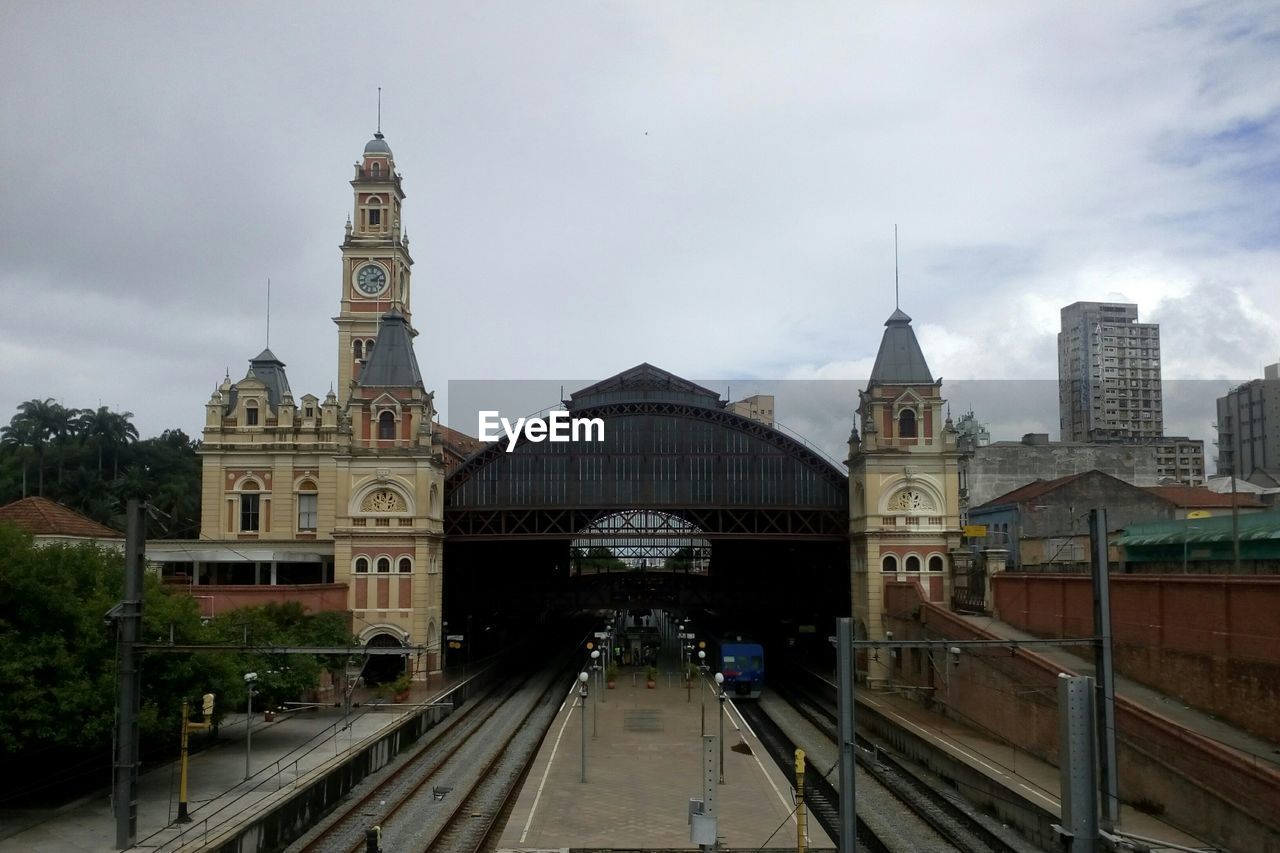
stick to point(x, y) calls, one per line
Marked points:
point(375, 262)
point(904, 487)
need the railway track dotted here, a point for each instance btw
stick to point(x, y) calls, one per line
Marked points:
point(448, 793)
point(821, 797)
point(962, 829)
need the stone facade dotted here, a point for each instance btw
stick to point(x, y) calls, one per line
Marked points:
point(904, 517)
point(347, 490)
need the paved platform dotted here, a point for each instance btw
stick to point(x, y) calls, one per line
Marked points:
point(290, 747)
point(643, 765)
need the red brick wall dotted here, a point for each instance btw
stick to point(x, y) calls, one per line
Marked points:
point(1211, 641)
point(1207, 788)
point(316, 598)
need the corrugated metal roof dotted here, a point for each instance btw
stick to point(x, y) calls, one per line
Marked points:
point(1253, 527)
point(900, 361)
point(1200, 496)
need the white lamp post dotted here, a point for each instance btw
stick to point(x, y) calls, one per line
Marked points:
point(250, 678)
point(720, 696)
point(582, 715)
point(702, 695)
point(595, 709)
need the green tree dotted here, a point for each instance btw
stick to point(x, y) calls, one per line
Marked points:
point(103, 428)
point(281, 677)
point(39, 423)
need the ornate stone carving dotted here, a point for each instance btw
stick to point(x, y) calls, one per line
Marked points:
point(383, 500)
point(911, 501)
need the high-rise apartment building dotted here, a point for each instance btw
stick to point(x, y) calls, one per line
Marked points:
point(1109, 375)
point(1249, 426)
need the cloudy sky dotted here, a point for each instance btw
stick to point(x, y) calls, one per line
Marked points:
point(708, 187)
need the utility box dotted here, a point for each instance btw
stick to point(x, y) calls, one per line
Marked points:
point(702, 827)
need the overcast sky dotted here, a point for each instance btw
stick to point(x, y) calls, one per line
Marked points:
point(708, 187)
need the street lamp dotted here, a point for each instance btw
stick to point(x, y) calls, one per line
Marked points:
point(582, 716)
point(250, 678)
point(1186, 536)
point(595, 710)
point(702, 695)
point(720, 696)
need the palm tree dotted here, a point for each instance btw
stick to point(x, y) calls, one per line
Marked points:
point(39, 421)
point(105, 428)
point(19, 436)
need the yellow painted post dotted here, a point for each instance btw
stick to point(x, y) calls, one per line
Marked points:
point(183, 817)
point(801, 832)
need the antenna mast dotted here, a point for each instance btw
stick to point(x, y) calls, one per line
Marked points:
point(895, 266)
point(268, 312)
point(379, 109)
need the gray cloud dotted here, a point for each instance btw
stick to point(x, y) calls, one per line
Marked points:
point(711, 189)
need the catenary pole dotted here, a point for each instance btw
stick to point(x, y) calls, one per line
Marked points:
point(1105, 689)
point(845, 684)
point(128, 680)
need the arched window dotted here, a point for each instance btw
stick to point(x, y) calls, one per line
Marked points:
point(889, 564)
point(913, 563)
point(250, 414)
point(376, 169)
point(307, 506)
point(362, 566)
point(386, 426)
point(368, 349)
point(384, 564)
point(907, 424)
point(406, 565)
point(358, 346)
point(250, 506)
point(935, 563)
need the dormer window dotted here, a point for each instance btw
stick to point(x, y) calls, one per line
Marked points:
point(358, 347)
point(907, 424)
point(386, 426)
point(251, 414)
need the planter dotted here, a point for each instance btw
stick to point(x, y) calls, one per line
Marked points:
point(400, 697)
point(269, 716)
point(651, 684)
point(611, 684)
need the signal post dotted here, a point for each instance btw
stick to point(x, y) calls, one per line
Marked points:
point(188, 727)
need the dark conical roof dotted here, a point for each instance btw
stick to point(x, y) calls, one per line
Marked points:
point(393, 363)
point(269, 370)
point(900, 361)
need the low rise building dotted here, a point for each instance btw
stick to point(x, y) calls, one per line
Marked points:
point(987, 471)
point(51, 523)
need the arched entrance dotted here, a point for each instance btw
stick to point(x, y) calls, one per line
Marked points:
point(384, 668)
point(678, 480)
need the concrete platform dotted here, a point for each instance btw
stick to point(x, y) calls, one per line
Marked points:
point(283, 752)
point(643, 765)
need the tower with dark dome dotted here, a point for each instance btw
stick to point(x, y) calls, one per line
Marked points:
point(375, 261)
point(335, 504)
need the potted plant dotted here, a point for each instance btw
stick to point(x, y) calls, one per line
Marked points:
point(611, 676)
point(400, 688)
point(652, 678)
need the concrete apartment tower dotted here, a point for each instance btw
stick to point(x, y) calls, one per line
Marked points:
point(1109, 375)
point(1249, 428)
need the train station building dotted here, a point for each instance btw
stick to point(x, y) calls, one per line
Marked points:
point(359, 501)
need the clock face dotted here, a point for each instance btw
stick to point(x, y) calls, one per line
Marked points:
point(371, 279)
